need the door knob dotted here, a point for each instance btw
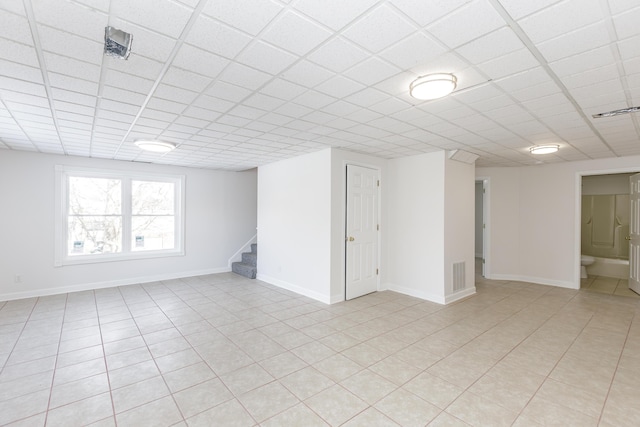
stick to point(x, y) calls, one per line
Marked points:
point(351, 239)
point(628, 238)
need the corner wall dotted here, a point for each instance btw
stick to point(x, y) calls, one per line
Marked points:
point(294, 224)
point(220, 217)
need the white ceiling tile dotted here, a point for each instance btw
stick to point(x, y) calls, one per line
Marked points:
point(379, 29)
point(561, 18)
point(618, 6)
point(334, 13)
point(413, 51)
point(592, 59)
point(166, 105)
point(512, 63)
point(228, 92)
point(467, 23)
point(18, 52)
point(20, 71)
point(626, 24)
point(313, 99)
point(576, 42)
point(184, 78)
point(61, 43)
point(218, 38)
point(250, 16)
point(282, 89)
point(493, 45)
point(137, 65)
point(339, 87)
point(207, 64)
point(265, 57)
point(306, 74)
point(518, 8)
point(152, 14)
point(372, 71)
point(426, 12)
point(73, 84)
point(122, 95)
point(286, 30)
point(175, 94)
point(338, 55)
point(127, 81)
point(71, 17)
point(16, 27)
point(243, 76)
point(263, 102)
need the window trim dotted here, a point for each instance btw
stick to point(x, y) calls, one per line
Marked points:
point(62, 172)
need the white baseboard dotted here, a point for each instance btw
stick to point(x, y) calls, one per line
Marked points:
point(439, 299)
point(536, 280)
point(460, 295)
point(326, 299)
point(108, 284)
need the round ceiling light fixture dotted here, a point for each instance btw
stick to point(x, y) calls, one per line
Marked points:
point(155, 146)
point(433, 86)
point(544, 149)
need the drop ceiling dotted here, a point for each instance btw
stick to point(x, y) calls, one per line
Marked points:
point(242, 83)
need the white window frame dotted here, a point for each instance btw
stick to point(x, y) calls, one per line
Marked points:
point(62, 257)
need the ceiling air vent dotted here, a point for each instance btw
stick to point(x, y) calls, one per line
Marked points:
point(117, 43)
point(617, 112)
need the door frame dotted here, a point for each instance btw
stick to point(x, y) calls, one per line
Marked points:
point(578, 213)
point(343, 228)
point(486, 218)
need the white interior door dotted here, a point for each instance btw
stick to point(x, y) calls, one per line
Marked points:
point(362, 226)
point(634, 234)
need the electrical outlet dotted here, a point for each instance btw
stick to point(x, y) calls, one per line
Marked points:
point(17, 278)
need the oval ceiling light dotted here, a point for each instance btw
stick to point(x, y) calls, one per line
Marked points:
point(544, 149)
point(433, 86)
point(155, 146)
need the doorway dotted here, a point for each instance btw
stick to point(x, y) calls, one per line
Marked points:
point(482, 227)
point(361, 231)
point(604, 232)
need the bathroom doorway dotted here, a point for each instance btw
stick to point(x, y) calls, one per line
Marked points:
point(604, 231)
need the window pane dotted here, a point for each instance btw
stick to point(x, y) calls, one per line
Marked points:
point(94, 235)
point(152, 233)
point(94, 196)
point(152, 198)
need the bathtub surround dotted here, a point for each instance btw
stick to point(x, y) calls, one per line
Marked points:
point(605, 225)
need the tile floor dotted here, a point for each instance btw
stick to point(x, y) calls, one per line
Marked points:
point(608, 285)
point(222, 350)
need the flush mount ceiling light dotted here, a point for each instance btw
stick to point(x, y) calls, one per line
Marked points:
point(155, 146)
point(544, 149)
point(616, 112)
point(117, 43)
point(433, 86)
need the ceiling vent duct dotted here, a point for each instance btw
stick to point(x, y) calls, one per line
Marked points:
point(617, 112)
point(117, 43)
point(463, 156)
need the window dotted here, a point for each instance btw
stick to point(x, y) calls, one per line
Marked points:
point(112, 215)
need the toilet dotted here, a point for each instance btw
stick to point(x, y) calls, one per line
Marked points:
point(585, 260)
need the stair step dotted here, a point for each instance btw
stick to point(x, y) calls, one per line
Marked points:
point(250, 258)
point(245, 270)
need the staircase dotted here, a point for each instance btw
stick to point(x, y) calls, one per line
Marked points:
point(247, 267)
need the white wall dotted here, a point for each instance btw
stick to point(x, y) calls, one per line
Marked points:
point(459, 225)
point(220, 218)
point(415, 230)
point(294, 224)
point(535, 219)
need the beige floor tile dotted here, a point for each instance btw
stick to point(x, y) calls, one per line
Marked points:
point(337, 367)
point(266, 401)
point(138, 394)
point(369, 386)
point(177, 360)
point(407, 409)
point(364, 354)
point(296, 416)
point(83, 412)
point(78, 371)
point(25, 406)
point(478, 410)
point(25, 385)
point(283, 364)
point(189, 376)
point(313, 352)
point(336, 405)
point(433, 389)
point(546, 412)
point(370, 417)
point(584, 400)
point(395, 370)
point(162, 412)
point(78, 390)
point(202, 397)
point(246, 379)
point(447, 420)
point(306, 382)
point(132, 374)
